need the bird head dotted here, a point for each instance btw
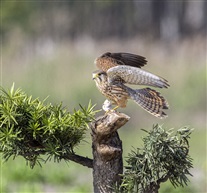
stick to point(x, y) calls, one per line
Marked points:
point(99, 77)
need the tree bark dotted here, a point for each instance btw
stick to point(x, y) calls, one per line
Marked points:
point(84, 161)
point(107, 152)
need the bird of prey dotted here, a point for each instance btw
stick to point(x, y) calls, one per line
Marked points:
point(118, 69)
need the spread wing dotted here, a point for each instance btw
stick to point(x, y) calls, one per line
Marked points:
point(109, 60)
point(137, 76)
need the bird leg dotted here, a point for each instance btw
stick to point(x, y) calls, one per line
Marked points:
point(116, 107)
point(107, 106)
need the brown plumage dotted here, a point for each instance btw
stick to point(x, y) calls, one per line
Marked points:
point(118, 69)
point(109, 60)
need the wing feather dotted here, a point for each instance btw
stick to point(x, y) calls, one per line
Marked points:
point(137, 76)
point(130, 59)
point(110, 60)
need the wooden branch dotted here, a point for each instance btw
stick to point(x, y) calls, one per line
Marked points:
point(107, 151)
point(84, 161)
point(109, 123)
point(155, 186)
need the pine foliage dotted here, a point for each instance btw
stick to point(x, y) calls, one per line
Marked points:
point(31, 128)
point(164, 156)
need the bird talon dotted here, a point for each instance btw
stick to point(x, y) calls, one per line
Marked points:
point(107, 106)
point(114, 109)
point(110, 111)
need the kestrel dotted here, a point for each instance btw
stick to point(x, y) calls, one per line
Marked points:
point(118, 69)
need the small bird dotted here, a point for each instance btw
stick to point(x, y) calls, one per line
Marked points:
point(118, 69)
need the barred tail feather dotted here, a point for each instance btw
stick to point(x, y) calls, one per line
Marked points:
point(151, 101)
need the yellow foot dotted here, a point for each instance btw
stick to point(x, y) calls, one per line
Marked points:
point(107, 106)
point(115, 108)
point(111, 110)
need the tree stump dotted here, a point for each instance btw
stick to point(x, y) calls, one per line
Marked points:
point(107, 151)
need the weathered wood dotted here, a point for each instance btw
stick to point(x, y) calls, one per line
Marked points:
point(107, 151)
point(84, 161)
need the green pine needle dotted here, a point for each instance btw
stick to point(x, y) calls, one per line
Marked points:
point(31, 128)
point(163, 157)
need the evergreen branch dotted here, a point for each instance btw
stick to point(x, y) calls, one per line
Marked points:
point(164, 156)
point(31, 128)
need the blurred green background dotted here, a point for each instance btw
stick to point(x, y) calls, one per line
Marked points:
point(48, 49)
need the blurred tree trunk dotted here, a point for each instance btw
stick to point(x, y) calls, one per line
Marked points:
point(107, 152)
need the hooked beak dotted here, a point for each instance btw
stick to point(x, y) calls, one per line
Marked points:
point(95, 75)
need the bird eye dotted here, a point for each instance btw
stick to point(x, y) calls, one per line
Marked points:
point(100, 77)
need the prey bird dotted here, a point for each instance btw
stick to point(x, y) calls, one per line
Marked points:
point(118, 69)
